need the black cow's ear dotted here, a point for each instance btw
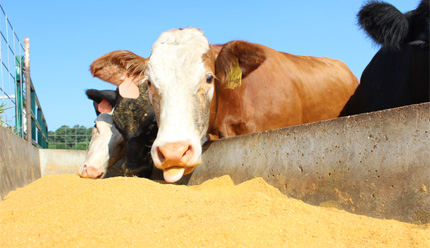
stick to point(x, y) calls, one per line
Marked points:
point(104, 100)
point(94, 95)
point(247, 56)
point(384, 23)
point(98, 95)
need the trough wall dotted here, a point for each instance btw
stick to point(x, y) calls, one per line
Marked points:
point(60, 161)
point(376, 164)
point(19, 162)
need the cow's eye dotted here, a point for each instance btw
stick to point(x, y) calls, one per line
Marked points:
point(148, 82)
point(209, 79)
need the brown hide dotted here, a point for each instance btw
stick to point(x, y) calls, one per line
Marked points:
point(277, 90)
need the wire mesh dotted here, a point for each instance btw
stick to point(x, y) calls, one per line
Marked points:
point(15, 81)
point(11, 50)
point(75, 138)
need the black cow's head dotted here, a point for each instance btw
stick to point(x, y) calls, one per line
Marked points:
point(135, 119)
point(389, 27)
point(398, 74)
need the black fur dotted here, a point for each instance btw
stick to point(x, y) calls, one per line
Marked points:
point(135, 120)
point(419, 23)
point(98, 95)
point(398, 74)
point(384, 23)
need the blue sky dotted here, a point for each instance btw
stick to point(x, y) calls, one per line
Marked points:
point(67, 36)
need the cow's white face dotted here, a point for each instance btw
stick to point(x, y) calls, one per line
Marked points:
point(181, 86)
point(106, 147)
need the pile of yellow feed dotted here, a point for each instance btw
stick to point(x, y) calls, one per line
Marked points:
point(67, 211)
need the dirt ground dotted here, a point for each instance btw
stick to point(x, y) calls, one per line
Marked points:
point(67, 211)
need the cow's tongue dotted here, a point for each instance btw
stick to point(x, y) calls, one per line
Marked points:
point(173, 174)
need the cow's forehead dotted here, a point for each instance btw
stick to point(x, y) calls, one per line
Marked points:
point(178, 54)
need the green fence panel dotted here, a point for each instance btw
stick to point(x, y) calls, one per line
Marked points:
point(19, 63)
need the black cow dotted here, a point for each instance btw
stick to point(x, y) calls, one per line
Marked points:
point(398, 74)
point(135, 121)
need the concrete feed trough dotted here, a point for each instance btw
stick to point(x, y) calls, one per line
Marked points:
point(376, 164)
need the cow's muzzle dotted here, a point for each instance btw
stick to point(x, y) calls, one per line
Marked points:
point(175, 159)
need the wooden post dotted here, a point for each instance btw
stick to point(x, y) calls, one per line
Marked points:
point(27, 81)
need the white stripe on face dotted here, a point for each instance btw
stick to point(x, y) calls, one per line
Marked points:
point(177, 74)
point(104, 146)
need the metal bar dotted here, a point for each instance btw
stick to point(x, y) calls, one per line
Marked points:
point(18, 94)
point(39, 128)
point(38, 125)
point(40, 120)
point(33, 114)
point(27, 81)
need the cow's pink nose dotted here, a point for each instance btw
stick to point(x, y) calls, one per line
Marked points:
point(175, 154)
point(91, 172)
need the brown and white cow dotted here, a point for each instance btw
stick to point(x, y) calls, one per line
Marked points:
point(198, 89)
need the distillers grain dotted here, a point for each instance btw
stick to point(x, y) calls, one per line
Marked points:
point(67, 211)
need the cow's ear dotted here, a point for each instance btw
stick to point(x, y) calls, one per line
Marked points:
point(104, 107)
point(235, 55)
point(104, 100)
point(384, 23)
point(115, 66)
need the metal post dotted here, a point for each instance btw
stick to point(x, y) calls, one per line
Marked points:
point(33, 113)
point(40, 132)
point(27, 87)
point(18, 95)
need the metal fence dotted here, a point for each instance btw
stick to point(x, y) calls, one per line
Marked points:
point(20, 110)
point(76, 138)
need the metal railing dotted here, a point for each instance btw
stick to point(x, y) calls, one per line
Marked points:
point(20, 110)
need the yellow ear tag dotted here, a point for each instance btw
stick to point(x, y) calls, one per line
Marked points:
point(234, 77)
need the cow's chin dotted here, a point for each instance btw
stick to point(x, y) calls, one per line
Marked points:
point(175, 173)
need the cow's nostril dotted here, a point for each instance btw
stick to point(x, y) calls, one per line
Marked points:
point(188, 151)
point(83, 171)
point(161, 155)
